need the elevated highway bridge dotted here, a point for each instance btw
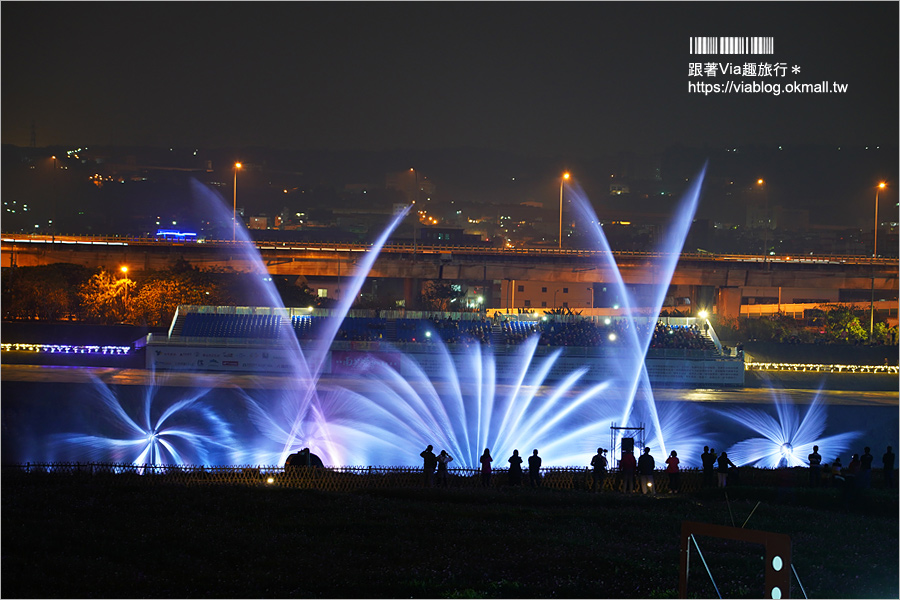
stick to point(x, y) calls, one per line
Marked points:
point(727, 275)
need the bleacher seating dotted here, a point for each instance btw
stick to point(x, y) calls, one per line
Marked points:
point(231, 326)
point(573, 333)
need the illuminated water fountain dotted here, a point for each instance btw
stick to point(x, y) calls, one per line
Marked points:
point(384, 413)
point(150, 424)
point(786, 439)
point(634, 379)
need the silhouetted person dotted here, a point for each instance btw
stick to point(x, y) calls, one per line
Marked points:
point(851, 481)
point(628, 466)
point(486, 461)
point(430, 462)
point(708, 461)
point(515, 468)
point(443, 477)
point(304, 458)
point(865, 468)
point(837, 473)
point(887, 462)
point(673, 472)
point(534, 469)
point(815, 467)
point(851, 473)
point(599, 463)
point(646, 466)
point(722, 470)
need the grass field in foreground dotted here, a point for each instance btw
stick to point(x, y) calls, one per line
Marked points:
point(66, 537)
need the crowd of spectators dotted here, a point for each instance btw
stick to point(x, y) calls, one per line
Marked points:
point(587, 333)
point(685, 337)
point(362, 330)
point(450, 331)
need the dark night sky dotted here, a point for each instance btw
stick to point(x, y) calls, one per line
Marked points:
point(538, 78)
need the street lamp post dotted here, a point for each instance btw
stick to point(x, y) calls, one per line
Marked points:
point(53, 197)
point(562, 183)
point(415, 210)
point(762, 184)
point(234, 209)
point(125, 282)
point(878, 188)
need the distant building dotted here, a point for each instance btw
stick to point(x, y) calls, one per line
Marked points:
point(618, 188)
point(545, 295)
point(448, 236)
point(261, 222)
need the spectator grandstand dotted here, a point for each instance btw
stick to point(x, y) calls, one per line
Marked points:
point(466, 328)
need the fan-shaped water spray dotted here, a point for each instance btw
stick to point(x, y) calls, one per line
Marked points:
point(152, 424)
point(787, 438)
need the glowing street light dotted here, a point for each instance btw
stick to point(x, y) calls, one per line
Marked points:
point(237, 166)
point(562, 183)
point(125, 283)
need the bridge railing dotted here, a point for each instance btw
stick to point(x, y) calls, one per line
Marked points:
point(403, 247)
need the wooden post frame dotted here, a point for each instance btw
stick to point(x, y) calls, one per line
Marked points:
point(777, 559)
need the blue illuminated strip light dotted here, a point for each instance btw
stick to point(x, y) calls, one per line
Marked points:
point(66, 349)
point(176, 234)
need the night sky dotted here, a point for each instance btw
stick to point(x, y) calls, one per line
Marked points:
point(537, 78)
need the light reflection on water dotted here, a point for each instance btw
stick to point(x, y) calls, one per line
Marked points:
point(116, 376)
point(764, 396)
point(693, 417)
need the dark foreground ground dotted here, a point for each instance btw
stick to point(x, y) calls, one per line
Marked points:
point(66, 537)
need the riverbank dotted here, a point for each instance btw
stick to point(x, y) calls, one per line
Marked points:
point(234, 541)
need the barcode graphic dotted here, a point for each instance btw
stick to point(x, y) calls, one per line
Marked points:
point(732, 45)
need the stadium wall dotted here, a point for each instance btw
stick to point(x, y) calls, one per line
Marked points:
point(673, 367)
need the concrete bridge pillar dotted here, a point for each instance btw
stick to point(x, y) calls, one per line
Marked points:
point(728, 302)
point(411, 292)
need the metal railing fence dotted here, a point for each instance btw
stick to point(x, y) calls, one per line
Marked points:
point(346, 479)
